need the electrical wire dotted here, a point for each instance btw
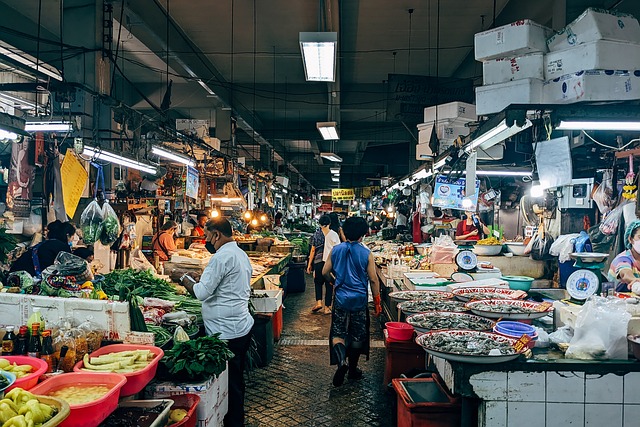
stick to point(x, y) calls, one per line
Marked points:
point(609, 146)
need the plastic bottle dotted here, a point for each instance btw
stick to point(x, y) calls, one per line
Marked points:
point(9, 342)
point(22, 342)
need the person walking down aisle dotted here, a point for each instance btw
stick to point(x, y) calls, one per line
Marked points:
point(224, 289)
point(354, 269)
point(323, 241)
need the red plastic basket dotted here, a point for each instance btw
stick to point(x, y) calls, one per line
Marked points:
point(189, 402)
point(28, 381)
point(136, 381)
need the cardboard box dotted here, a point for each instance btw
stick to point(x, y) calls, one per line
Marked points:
point(271, 304)
point(592, 85)
point(15, 310)
point(599, 55)
point(518, 38)
point(213, 396)
point(495, 98)
point(515, 68)
point(596, 24)
point(451, 111)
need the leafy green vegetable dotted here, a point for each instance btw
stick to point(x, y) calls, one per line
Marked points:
point(141, 283)
point(7, 244)
point(197, 359)
point(110, 231)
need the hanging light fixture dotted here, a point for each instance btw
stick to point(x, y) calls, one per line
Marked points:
point(56, 126)
point(328, 130)
point(335, 170)
point(215, 213)
point(159, 151)
point(319, 52)
point(331, 157)
point(100, 154)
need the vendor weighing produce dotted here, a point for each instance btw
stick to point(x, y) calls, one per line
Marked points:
point(471, 228)
point(36, 259)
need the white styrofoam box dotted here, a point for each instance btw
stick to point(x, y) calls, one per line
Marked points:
point(212, 392)
point(459, 111)
point(596, 24)
point(515, 68)
point(423, 152)
point(15, 310)
point(599, 55)
point(270, 304)
point(518, 38)
point(495, 98)
point(592, 85)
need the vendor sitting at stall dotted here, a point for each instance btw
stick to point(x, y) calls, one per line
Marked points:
point(163, 243)
point(470, 227)
point(84, 252)
point(42, 255)
point(625, 268)
point(198, 230)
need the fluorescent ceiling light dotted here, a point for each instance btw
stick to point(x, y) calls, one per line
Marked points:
point(172, 156)
point(206, 87)
point(421, 174)
point(17, 102)
point(595, 125)
point(335, 178)
point(285, 191)
point(331, 157)
point(6, 135)
point(23, 58)
point(496, 135)
point(501, 173)
point(440, 163)
point(335, 169)
point(328, 130)
point(118, 160)
point(319, 52)
point(47, 127)
point(225, 199)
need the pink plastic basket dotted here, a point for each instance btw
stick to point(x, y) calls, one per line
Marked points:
point(28, 381)
point(136, 381)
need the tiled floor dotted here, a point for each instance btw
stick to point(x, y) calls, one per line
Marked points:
point(295, 388)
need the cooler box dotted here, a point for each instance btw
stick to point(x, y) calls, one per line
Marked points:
point(495, 98)
point(596, 24)
point(592, 85)
point(598, 55)
point(452, 111)
point(425, 402)
point(514, 68)
point(519, 38)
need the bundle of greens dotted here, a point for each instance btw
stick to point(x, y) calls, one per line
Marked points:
point(197, 359)
point(140, 283)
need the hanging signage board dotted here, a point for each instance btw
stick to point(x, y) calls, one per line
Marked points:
point(408, 95)
point(325, 207)
point(342, 194)
point(74, 179)
point(449, 194)
point(192, 183)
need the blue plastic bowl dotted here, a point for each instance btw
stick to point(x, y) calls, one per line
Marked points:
point(514, 328)
point(10, 377)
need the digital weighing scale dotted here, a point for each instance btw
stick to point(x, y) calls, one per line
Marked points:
point(586, 281)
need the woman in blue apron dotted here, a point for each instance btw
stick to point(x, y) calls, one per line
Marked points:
point(354, 269)
point(36, 259)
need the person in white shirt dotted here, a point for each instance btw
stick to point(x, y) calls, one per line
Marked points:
point(401, 220)
point(331, 239)
point(224, 289)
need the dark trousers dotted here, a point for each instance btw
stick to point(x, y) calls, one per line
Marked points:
point(235, 414)
point(321, 282)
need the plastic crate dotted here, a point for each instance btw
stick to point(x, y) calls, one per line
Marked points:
point(424, 402)
point(188, 402)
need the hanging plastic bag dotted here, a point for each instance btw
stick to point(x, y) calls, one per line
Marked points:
point(610, 224)
point(140, 262)
point(110, 225)
point(540, 246)
point(91, 222)
point(563, 246)
point(603, 195)
point(600, 330)
point(443, 250)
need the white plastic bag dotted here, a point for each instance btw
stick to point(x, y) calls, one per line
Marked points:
point(140, 262)
point(91, 223)
point(443, 250)
point(603, 196)
point(563, 246)
point(601, 330)
point(610, 224)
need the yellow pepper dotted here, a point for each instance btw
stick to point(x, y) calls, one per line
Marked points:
point(17, 421)
point(6, 413)
point(87, 285)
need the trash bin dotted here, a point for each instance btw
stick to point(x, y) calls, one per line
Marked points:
point(425, 402)
point(295, 278)
point(263, 335)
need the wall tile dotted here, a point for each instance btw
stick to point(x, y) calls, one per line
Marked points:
point(525, 414)
point(564, 414)
point(495, 414)
point(565, 387)
point(603, 389)
point(632, 388)
point(602, 415)
point(526, 386)
point(631, 415)
point(490, 385)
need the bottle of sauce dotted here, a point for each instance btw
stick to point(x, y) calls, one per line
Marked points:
point(47, 350)
point(35, 346)
point(8, 342)
point(22, 342)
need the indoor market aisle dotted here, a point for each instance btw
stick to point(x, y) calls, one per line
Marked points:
point(295, 388)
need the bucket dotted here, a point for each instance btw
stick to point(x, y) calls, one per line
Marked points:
point(271, 282)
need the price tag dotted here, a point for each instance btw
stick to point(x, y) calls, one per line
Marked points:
point(544, 307)
point(522, 343)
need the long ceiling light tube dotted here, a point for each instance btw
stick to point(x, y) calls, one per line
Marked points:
point(48, 127)
point(331, 157)
point(23, 58)
point(595, 125)
point(119, 160)
point(335, 169)
point(496, 135)
point(335, 178)
point(159, 151)
point(319, 52)
point(328, 130)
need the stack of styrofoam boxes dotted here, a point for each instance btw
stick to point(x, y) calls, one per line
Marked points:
point(594, 58)
point(513, 65)
point(450, 121)
point(214, 397)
